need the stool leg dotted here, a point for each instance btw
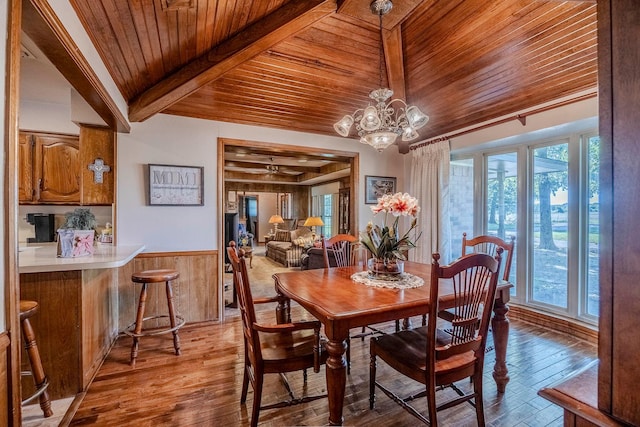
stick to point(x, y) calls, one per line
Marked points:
point(36, 366)
point(172, 318)
point(139, 321)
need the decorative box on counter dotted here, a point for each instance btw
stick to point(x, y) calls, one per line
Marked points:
point(75, 243)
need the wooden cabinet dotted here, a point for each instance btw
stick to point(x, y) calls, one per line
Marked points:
point(97, 143)
point(54, 168)
point(53, 176)
point(56, 165)
point(25, 167)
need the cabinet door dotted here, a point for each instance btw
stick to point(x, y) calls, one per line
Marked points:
point(97, 143)
point(25, 168)
point(57, 169)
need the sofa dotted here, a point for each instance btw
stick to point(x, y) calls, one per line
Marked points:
point(314, 258)
point(287, 247)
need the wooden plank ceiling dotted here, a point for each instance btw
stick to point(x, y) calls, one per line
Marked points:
point(302, 65)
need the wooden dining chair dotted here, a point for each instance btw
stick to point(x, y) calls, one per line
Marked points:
point(341, 248)
point(272, 348)
point(489, 245)
point(344, 250)
point(437, 359)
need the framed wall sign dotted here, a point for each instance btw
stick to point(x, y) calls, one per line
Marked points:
point(171, 185)
point(377, 186)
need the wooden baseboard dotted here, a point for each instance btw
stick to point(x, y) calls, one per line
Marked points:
point(589, 334)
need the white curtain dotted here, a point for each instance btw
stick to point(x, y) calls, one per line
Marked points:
point(430, 184)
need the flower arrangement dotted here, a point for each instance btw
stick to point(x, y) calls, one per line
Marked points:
point(385, 243)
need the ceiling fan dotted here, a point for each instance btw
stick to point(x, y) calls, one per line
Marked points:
point(271, 168)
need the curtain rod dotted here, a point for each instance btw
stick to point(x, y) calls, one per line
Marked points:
point(522, 118)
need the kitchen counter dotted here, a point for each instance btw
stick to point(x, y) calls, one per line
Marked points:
point(78, 311)
point(41, 257)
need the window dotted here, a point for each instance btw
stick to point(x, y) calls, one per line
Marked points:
point(323, 206)
point(550, 217)
point(501, 211)
point(545, 194)
point(461, 196)
point(327, 214)
point(591, 296)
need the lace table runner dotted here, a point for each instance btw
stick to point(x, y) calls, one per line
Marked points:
point(407, 281)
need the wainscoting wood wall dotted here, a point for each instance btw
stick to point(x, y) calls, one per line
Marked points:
point(195, 291)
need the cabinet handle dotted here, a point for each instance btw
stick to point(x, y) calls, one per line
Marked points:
point(38, 188)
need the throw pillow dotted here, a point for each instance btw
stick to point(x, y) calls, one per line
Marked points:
point(300, 232)
point(283, 236)
point(305, 242)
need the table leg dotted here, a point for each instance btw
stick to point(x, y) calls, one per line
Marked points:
point(500, 327)
point(336, 379)
point(283, 310)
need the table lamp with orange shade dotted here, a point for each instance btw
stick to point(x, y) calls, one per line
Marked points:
point(312, 222)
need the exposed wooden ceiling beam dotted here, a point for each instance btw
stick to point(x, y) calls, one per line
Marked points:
point(394, 60)
point(282, 150)
point(274, 28)
point(243, 176)
point(325, 170)
point(253, 165)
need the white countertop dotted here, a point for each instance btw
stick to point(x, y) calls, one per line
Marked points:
point(41, 257)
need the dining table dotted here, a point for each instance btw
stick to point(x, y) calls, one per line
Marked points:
point(340, 303)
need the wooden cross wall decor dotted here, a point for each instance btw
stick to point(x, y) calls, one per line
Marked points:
point(98, 167)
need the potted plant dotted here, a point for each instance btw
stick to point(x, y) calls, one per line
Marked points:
point(75, 237)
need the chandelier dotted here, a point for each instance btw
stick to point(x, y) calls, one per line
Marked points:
point(380, 125)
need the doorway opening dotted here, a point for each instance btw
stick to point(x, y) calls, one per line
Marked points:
point(261, 179)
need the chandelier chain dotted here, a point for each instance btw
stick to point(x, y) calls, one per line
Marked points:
point(380, 125)
point(381, 49)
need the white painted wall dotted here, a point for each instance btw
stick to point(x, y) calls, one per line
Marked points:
point(166, 139)
point(173, 141)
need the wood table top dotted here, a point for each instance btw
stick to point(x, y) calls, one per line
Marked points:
point(337, 296)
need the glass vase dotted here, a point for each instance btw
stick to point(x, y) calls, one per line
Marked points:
point(385, 269)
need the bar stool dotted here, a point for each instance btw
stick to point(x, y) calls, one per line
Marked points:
point(28, 309)
point(176, 321)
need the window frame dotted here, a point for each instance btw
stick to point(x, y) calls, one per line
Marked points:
point(577, 262)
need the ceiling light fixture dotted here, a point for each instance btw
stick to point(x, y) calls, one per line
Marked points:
point(380, 125)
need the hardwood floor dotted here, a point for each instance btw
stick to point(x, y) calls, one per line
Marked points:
point(202, 386)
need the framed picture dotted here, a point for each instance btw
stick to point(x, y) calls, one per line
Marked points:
point(171, 185)
point(377, 186)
